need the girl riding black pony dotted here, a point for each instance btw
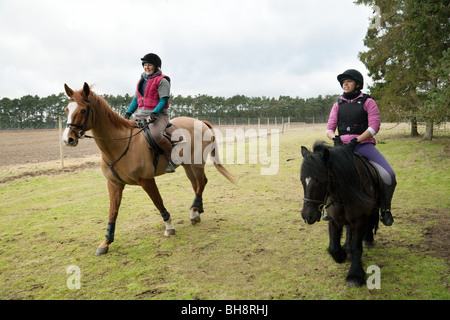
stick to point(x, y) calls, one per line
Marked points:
point(357, 118)
point(346, 186)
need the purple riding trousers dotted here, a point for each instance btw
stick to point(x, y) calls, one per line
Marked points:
point(369, 151)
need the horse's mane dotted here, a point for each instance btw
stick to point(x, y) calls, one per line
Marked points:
point(345, 181)
point(103, 108)
point(314, 165)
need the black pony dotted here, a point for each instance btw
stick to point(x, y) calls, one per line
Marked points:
point(345, 186)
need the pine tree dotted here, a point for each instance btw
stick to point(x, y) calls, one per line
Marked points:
point(408, 59)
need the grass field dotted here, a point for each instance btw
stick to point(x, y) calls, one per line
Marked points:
point(251, 244)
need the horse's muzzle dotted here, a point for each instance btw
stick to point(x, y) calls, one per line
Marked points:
point(69, 138)
point(310, 216)
point(311, 220)
point(71, 142)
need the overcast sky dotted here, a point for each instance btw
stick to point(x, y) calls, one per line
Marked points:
point(214, 47)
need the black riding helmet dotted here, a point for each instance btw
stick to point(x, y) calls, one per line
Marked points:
point(153, 59)
point(351, 74)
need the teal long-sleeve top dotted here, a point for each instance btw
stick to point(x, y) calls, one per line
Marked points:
point(134, 105)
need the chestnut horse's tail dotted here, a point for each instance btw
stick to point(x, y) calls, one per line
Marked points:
point(218, 166)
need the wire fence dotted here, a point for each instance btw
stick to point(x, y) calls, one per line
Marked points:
point(7, 123)
point(282, 123)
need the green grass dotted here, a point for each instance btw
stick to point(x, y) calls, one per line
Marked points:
point(251, 244)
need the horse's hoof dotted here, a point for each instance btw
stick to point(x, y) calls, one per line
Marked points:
point(353, 284)
point(195, 220)
point(355, 281)
point(195, 216)
point(101, 251)
point(169, 232)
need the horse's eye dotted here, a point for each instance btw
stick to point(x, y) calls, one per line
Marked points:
point(83, 111)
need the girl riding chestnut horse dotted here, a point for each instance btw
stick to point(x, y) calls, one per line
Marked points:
point(152, 99)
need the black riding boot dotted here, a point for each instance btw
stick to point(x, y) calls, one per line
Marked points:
point(166, 146)
point(386, 215)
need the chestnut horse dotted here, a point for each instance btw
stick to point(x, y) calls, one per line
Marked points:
point(127, 158)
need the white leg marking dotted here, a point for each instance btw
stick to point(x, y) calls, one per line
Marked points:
point(170, 230)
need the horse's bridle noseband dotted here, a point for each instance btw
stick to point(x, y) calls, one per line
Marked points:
point(313, 201)
point(322, 204)
point(80, 134)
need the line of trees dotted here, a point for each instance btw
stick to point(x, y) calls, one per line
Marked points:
point(239, 106)
point(32, 112)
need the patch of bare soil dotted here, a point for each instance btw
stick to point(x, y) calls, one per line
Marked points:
point(31, 153)
point(437, 235)
point(50, 172)
point(35, 146)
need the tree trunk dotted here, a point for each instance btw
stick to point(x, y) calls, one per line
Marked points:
point(414, 132)
point(428, 131)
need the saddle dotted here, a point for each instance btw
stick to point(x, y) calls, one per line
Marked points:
point(143, 122)
point(372, 172)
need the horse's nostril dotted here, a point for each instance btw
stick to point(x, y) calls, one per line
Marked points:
point(71, 142)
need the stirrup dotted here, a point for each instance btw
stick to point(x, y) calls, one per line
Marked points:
point(386, 217)
point(170, 167)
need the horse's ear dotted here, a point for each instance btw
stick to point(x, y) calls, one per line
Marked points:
point(86, 90)
point(69, 91)
point(326, 155)
point(304, 151)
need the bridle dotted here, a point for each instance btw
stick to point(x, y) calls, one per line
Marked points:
point(80, 134)
point(322, 203)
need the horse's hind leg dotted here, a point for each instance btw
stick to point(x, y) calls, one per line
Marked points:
point(371, 229)
point(149, 185)
point(115, 198)
point(196, 174)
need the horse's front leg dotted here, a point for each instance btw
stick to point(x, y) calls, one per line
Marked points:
point(115, 198)
point(149, 185)
point(356, 276)
point(348, 242)
point(335, 248)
